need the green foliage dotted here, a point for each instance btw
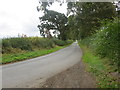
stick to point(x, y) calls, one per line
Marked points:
point(17, 49)
point(6, 43)
point(16, 45)
point(43, 6)
point(41, 42)
point(87, 16)
point(73, 28)
point(9, 58)
point(106, 41)
point(21, 43)
point(52, 20)
point(61, 43)
point(100, 68)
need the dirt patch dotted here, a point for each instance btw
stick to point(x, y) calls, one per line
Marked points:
point(74, 77)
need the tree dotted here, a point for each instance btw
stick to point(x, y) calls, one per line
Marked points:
point(43, 6)
point(53, 20)
point(88, 15)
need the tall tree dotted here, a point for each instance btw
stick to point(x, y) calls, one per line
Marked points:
point(53, 20)
point(87, 15)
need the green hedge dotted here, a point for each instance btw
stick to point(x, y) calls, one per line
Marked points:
point(106, 42)
point(14, 45)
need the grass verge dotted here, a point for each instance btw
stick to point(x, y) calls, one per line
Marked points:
point(10, 58)
point(104, 73)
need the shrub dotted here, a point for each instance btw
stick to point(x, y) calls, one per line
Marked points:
point(41, 42)
point(6, 43)
point(10, 45)
point(106, 41)
point(20, 43)
point(59, 42)
point(69, 41)
point(46, 43)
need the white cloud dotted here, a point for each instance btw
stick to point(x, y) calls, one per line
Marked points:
point(21, 16)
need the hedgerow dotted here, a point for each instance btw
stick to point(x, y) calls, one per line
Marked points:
point(16, 45)
point(106, 41)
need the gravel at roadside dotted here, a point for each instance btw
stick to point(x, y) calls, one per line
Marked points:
point(74, 77)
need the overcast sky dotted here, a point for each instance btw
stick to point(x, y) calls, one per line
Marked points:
point(21, 16)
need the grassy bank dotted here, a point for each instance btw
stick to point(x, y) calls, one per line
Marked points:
point(105, 74)
point(17, 49)
point(9, 58)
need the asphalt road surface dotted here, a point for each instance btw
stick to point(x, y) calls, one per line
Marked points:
point(33, 72)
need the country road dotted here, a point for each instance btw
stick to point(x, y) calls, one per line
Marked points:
point(32, 72)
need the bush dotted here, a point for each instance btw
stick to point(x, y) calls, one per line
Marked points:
point(41, 42)
point(69, 41)
point(62, 43)
point(59, 42)
point(6, 43)
point(20, 43)
point(10, 45)
point(105, 42)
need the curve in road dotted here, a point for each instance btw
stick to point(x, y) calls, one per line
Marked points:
point(33, 72)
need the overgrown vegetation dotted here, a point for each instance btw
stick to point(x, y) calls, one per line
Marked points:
point(101, 53)
point(16, 49)
point(105, 42)
point(9, 58)
point(105, 74)
point(16, 45)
